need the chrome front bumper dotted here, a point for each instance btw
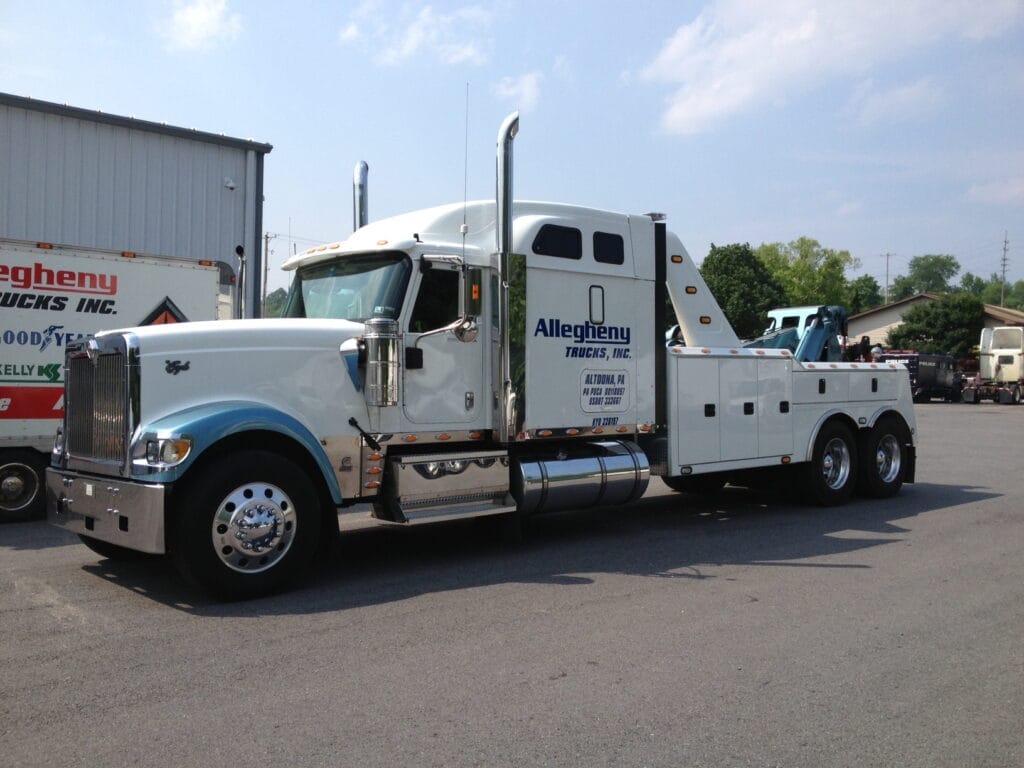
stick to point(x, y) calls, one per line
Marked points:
point(121, 512)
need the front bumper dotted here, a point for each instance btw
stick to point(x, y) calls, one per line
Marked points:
point(122, 512)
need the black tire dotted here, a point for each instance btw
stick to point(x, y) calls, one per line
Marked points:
point(883, 466)
point(706, 484)
point(1015, 396)
point(831, 475)
point(22, 486)
point(245, 524)
point(114, 551)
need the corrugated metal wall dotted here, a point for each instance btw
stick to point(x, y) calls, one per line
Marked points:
point(71, 180)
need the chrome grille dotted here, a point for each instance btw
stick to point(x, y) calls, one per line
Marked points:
point(96, 406)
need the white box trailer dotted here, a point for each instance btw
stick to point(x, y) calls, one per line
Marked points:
point(488, 358)
point(51, 296)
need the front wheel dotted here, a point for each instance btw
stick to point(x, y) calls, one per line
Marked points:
point(884, 465)
point(245, 525)
point(831, 474)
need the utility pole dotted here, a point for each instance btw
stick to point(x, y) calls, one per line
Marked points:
point(1005, 262)
point(267, 237)
point(887, 255)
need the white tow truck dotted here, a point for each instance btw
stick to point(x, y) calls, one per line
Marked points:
point(52, 295)
point(489, 358)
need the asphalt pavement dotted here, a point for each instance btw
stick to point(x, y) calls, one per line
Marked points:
point(737, 630)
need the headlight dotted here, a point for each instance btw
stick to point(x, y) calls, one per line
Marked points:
point(167, 451)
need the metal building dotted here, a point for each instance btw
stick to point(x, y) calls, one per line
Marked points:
point(85, 178)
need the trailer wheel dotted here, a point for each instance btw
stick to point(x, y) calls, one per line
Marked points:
point(114, 551)
point(245, 525)
point(831, 474)
point(22, 486)
point(884, 459)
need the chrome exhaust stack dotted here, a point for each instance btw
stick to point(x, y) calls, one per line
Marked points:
point(360, 202)
point(503, 195)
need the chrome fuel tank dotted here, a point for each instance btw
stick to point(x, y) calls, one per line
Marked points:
point(578, 476)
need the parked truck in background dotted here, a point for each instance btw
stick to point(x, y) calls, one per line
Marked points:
point(53, 295)
point(478, 359)
point(1000, 375)
point(931, 375)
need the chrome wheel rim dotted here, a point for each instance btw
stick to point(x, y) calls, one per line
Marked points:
point(254, 527)
point(888, 459)
point(18, 486)
point(835, 463)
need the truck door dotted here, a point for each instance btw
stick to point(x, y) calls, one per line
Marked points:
point(442, 375)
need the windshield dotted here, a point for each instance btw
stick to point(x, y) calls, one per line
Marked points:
point(1007, 338)
point(351, 288)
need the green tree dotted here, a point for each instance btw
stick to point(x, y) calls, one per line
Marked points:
point(275, 303)
point(809, 273)
point(972, 284)
point(951, 325)
point(862, 294)
point(932, 273)
point(743, 287)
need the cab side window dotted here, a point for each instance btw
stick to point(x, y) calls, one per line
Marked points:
point(437, 303)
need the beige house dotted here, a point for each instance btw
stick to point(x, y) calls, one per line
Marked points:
point(875, 323)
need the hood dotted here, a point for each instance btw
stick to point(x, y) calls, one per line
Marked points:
point(227, 335)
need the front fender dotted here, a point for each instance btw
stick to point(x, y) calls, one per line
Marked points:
point(206, 425)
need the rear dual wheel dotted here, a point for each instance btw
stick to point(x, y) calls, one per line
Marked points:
point(884, 458)
point(831, 475)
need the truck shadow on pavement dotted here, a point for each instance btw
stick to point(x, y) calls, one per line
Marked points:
point(677, 536)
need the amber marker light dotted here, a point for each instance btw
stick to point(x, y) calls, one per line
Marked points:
point(691, 289)
point(443, 436)
point(572, 432)
point(410, 438)
point(786, 459)
point(372, 484)
point(45, 246)
point(622, 429)
point(705, 320)
point(676, 259)
point(374, 457)
point(544, 433)
point(475, 435)
point(373, 471)
point(128, 254)
point(598, 431)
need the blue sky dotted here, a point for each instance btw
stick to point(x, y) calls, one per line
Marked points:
point(875, 127)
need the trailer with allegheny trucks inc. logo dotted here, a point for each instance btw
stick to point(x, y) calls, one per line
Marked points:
point(491, 358)
point(52, 296)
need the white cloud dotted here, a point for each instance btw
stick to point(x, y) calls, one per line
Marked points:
point(896, 105)
point(349, 33)
point(522, 91)
point(417, 33)
point(1005, 192)
point(850, 208)
point(201, 24)
point(741, 53)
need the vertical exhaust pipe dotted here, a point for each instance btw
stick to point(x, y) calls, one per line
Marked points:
point(503, 194)
point(360, 205)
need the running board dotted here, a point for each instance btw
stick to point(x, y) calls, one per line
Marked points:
point(430, 488)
